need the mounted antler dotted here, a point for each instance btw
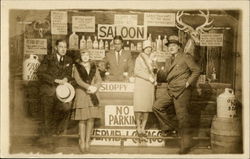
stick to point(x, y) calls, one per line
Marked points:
point(206, 26)
point(41, 27)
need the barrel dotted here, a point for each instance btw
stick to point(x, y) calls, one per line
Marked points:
point(226, 135)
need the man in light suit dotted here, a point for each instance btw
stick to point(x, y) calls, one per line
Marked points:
point(119, 62)
point(54, 70)
point(180, 72)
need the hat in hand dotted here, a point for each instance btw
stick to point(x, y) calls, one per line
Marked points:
point(65, 92)
point(173, 39)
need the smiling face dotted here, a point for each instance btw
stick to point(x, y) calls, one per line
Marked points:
point(118, 45)
point(173, 48)
point(85, 57)
point(148, 50)
point(61, 48)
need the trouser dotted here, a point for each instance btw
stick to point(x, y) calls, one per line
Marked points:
point(55, 115)
point(163, 109)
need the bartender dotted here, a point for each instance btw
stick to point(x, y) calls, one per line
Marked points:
point(119, 62)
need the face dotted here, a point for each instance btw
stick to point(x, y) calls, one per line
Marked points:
point(118, 45)
point(148, 50)
point(173, 48)
point(61, 48)
point(85, 57)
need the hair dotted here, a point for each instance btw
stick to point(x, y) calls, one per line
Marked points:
point(118, 37)
point(60, 40)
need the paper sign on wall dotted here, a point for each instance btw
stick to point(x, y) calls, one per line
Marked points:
point(59, 20)
point(83, 23)
point(159, 19)
point(96, 54)
point(119, 115)
point(136, 32)
point(121, 19)
point(213, 39)
point(35, 46)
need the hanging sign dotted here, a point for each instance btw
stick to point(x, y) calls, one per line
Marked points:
point(132, 133)
point(59, 20)
point(119, 115)
point(83, 23)
point(116, 87)
point(159, 19)
point(121, 19)
point(214, 39)
point(35, 46)
point(135, 32)
point(96, 54)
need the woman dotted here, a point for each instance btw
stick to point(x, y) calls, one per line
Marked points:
point(85, 107)
point(144, 87)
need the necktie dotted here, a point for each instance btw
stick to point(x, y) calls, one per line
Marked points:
point(118, 57)
point(61, 60)
point(172, 59)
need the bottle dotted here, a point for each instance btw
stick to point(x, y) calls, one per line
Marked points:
point(159, 44)
point(111, 45)
point(101, 44)
point(83, 43)
point(139, 46)
point(213, 75)
point(89, 43)
point(126, 46)
point(150, 37)
point(30, 67)
point(132, 47)
point(95, 43)
point(164, 41)
point(106, 45)
point(73, 41)
point(154, 45)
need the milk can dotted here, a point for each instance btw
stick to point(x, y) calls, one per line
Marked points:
point(226, 104)
point(30, 67)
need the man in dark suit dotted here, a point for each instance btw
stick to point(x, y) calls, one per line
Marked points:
point(180, 73)
point(119, 62)
point(54, 70)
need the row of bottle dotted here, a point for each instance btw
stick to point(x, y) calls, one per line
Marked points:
point(157, 45)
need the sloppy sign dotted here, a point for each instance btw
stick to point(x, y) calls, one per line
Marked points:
point(159, 19)
point(135, 32)
point(83, 23)
point(35, 46)
point(96, 54)
point(119, 115)
point(121, 19)
point(59, 20)
point(116, 87)
point(116, 141)
point(212, 39)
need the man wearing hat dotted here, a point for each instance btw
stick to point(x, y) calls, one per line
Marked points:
point(54, 74)
point(119, 61)
point(180, 72)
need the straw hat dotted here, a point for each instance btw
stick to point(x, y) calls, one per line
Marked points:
point(146, 43)
point(65, 92)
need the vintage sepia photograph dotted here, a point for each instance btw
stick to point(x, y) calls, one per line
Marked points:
point(133, 79)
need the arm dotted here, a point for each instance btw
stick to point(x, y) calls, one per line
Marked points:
point(139, 71)
point(43, 73)
point(97, 79)
point(131, 65)
point(78, 79)
point(194, 68)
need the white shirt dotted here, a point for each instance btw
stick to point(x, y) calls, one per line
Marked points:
point(58, 57)
point(116, 55)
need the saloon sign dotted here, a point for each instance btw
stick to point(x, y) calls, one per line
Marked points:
point(136, 32)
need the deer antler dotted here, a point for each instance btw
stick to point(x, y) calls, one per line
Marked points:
point(41, 30)
point(182, 26)
point(205, 27)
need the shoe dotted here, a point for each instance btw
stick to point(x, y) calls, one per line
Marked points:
point(166, 133)
point(184, 150)
point(51, 147)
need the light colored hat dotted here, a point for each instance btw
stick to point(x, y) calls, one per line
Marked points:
point(173, 39)
point(147, 43)
point(65, 92)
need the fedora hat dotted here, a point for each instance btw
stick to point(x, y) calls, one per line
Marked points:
point(146, 43)
point(173, 39)
point(65, 92)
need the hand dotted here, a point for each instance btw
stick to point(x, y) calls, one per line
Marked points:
point(131, 79)
point(59, 81)
point(92, 89)
point(187, 84)
point(151, 79)
point(65, 80)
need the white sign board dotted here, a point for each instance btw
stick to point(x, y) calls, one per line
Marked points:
point(214, 39)
point(59, 20)
point(116, 87)
point(135, 32)
point(83, 23)
point(35, 46)
point(121, 19)
point(159, 19)
point(119, 115)
point(128, 142)
point(96, 54)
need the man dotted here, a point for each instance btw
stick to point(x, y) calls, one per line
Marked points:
point(119, 62)
point(180, 73)
point(54, 70)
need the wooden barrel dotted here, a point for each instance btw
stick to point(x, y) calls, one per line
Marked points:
point(226, 135)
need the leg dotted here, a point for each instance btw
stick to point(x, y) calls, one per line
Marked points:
point(144, 121)
point(181, 107)
point(163, 110)
point(90, 125)
point(82, 134)
point(138, 121)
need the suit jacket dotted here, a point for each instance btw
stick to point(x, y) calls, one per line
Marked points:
point(182, 70)
point(50, 69)
point(125, 65)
